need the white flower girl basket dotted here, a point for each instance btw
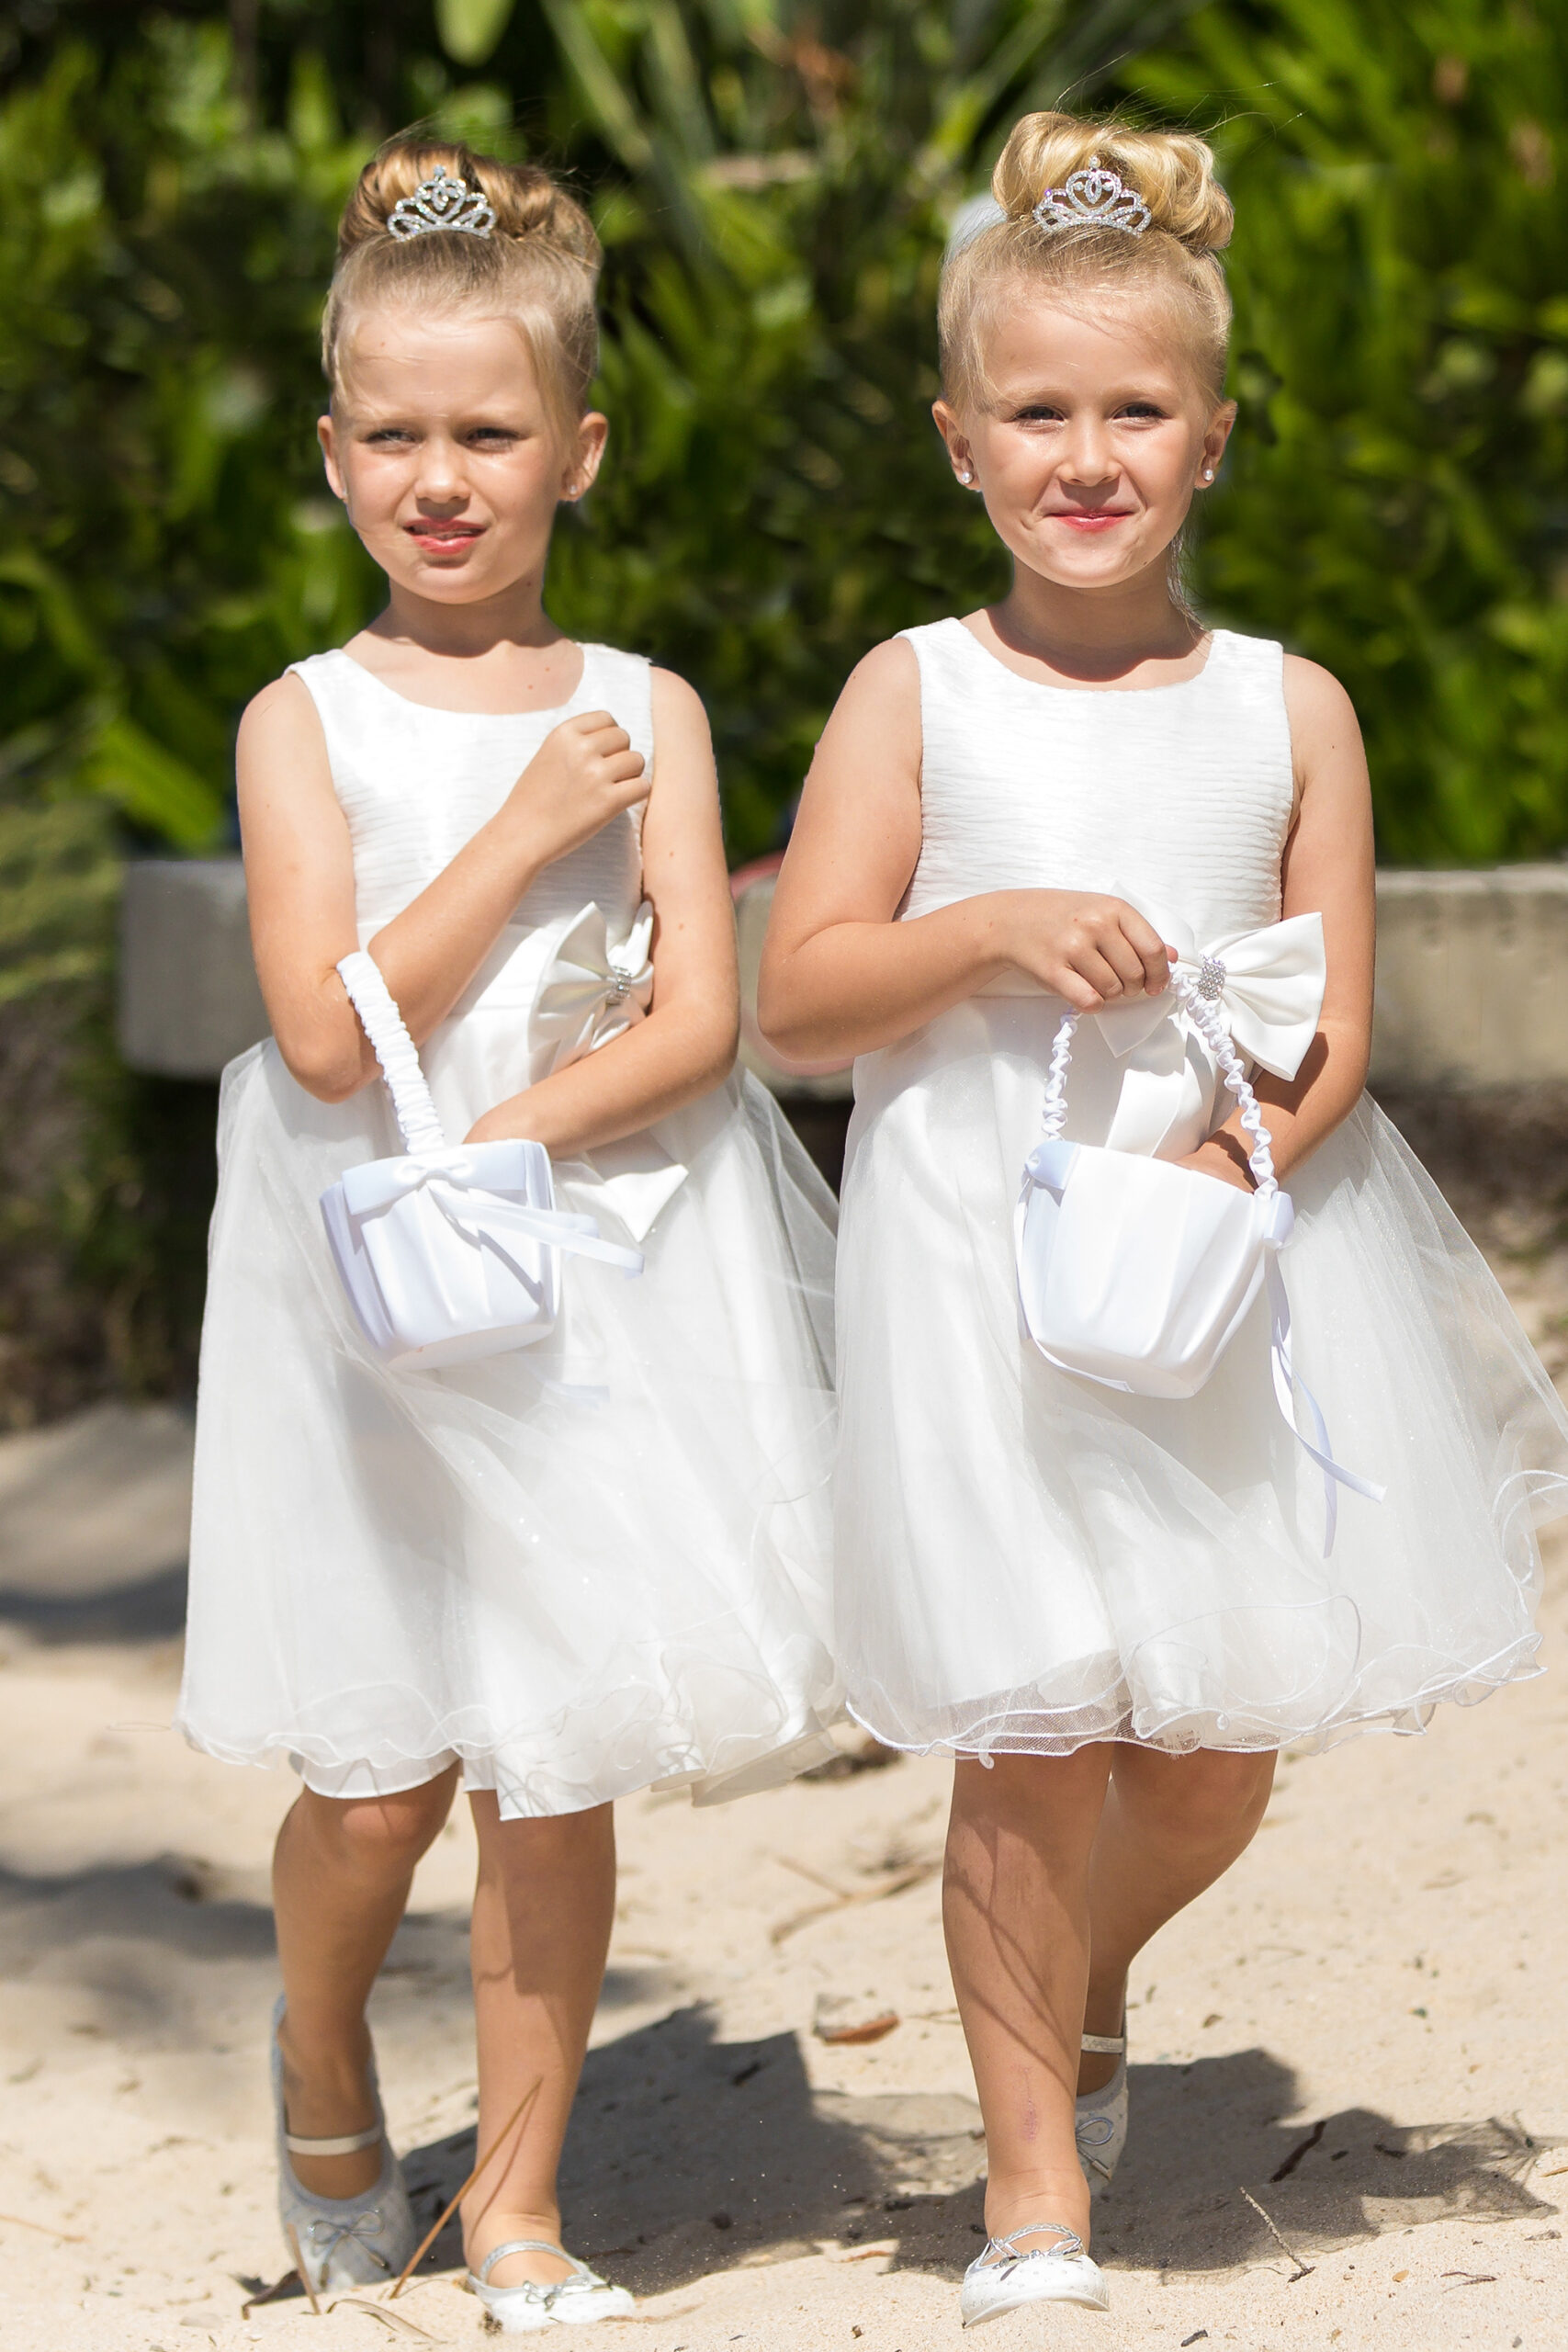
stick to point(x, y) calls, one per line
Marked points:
point(446, 1253)
point(1137, 1273)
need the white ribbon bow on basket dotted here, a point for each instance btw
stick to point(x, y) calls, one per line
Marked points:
point(447, 1253)
point(453, 1184)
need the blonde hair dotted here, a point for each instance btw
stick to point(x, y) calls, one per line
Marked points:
point(538, 268)
point(1176, 259)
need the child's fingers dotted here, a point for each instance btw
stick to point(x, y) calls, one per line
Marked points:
point(1116, 951)
point(1099, 975)
point(1154, 956)
point(1075, 990)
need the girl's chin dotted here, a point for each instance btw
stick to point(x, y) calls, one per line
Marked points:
point(450, 583)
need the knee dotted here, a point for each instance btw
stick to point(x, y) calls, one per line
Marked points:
point(386, 1834)
point(542, 1844)
point(1207, 1801)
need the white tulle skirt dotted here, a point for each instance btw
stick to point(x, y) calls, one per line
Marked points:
point(578, 1568)
point(1027, 1562)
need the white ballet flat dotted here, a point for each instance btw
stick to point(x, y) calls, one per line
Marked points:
point(1101, 2127)
point(342, 2241)
point(569, 2303)
point(1063, 2273)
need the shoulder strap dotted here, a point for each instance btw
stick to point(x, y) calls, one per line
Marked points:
point(624, 682)
point(418, 1120)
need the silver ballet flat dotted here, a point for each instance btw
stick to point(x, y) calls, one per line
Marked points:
point(342, 2241)
point(1062, 2273)
point(1101, 2126)
point(569, 2303)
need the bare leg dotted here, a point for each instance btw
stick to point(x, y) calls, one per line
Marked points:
point(341, 1874)
point(1015, 1903)
point(1171, 1826)
point(542, 1910)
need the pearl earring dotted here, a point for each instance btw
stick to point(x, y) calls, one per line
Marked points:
point(967, 478)
point(1208, 473)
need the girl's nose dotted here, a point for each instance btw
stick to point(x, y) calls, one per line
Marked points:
point(1088, 457)
point(440, 472)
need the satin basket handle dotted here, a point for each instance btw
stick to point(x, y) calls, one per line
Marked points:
point(419, 1122)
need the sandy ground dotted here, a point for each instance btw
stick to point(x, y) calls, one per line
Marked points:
point(1361, 2029)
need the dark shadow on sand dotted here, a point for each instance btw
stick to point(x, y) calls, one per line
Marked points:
point(152, 1609)
point(688, 2155)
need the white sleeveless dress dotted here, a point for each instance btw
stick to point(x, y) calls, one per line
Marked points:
point(1027, 1561)
point(579, 1568)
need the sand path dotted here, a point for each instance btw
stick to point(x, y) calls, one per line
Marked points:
point(1362, 2027)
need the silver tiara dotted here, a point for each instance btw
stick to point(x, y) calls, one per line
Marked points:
point(1094, 199)
point(441, 202)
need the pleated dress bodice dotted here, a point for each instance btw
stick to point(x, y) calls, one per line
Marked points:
point(1181, 796)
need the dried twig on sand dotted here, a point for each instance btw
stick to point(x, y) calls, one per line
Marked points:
point(428, 2239)
point(909, 1874)
point(300, 2271)
point(1302, 2269)
point(399, 2322)
point(66, 2237)
point(1304, 2148)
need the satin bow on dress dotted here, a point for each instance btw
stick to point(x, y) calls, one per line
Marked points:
point(594, 991)
point(1266, 987)
point(591, 991)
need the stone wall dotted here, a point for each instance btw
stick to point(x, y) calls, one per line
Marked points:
point(1472, 978)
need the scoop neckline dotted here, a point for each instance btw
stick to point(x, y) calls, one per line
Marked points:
point(442, 710)
point(1123, 694)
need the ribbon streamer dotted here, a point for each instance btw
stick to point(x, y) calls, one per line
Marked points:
point(476, 1212)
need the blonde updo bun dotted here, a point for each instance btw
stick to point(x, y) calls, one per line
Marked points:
point(1173, 173)
point(1174, 261)
point(538, 266)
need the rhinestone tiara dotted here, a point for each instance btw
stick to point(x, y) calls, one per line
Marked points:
point(441, 202)
point(1094, 198)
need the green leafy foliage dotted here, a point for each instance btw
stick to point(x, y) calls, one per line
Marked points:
point(1397, 504)
point(773, 183)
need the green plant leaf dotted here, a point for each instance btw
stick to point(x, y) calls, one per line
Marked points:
point(469, 29)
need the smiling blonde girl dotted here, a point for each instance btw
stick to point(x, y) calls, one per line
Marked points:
point(567, 1572)
point(1113, 1609)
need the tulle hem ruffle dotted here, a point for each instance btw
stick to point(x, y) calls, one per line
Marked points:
point(1024, 1722)
point(527, 1775)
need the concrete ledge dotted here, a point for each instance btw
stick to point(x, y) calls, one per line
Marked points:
point(189, 996)
point(1473, 977)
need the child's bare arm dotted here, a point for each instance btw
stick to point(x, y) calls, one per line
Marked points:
point(1328, 870)
point(299, 880)
point(686, 1043)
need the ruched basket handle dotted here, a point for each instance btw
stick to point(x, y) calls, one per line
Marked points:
point(1212, 1029)
point(418, 1123)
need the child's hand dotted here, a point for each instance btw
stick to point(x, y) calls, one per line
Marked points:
point(504, 1123)
point(583, 773)
point(1224, 1159)
point(1088, 949)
